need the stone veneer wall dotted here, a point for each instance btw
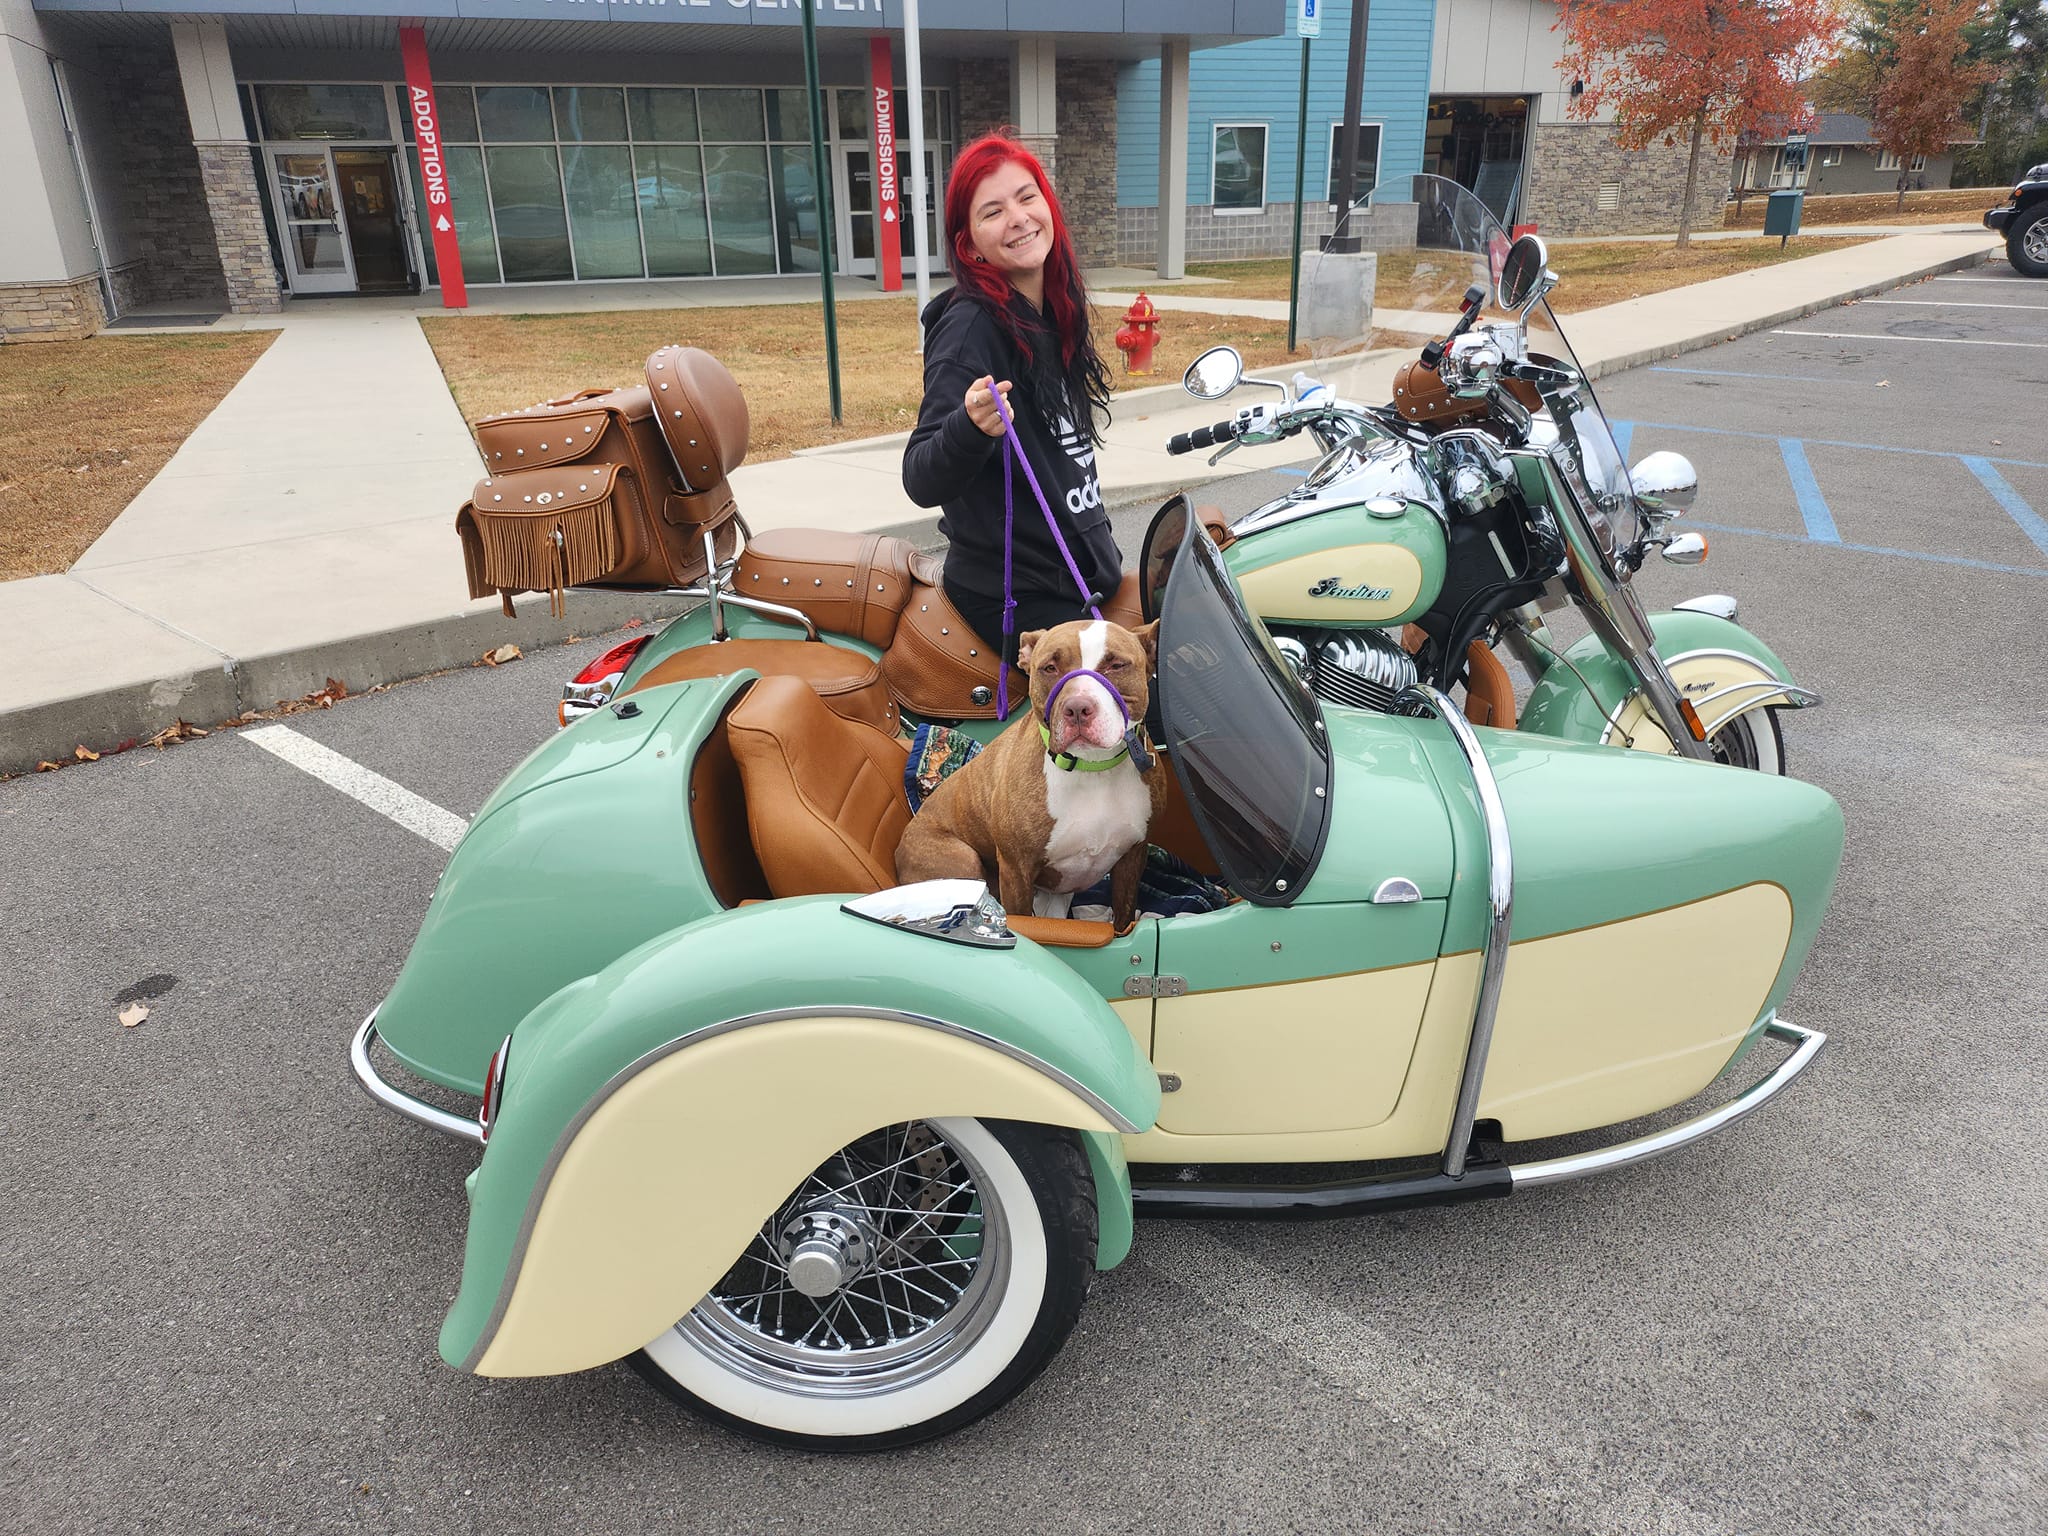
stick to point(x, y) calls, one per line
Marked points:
point(981, 101)
point(162, 196)
point(1086, 176)
point(233, 201)
point(1569, 161)
point(63, 311)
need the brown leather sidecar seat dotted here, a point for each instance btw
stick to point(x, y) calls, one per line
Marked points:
point(825, 800)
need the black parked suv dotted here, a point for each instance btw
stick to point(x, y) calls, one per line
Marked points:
point(2024, 223)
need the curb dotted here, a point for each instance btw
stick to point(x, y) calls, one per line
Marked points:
point(1749, 327)
point(206, 697)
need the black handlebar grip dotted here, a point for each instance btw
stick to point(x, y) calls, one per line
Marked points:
point(1180, 442)
point(1202, 437)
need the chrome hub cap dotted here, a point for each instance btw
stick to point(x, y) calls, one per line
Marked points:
point(887, 1265)
point(825, 1248)
point(2035, 241)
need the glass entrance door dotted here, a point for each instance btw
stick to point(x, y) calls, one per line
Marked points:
point(374, 219)
point(316, 249)
point(856, 207)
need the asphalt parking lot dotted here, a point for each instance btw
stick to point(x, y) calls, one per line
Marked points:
point(225, 1268)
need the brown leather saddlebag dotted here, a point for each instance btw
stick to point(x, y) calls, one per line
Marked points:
point(654, 517)
point(937, 666)
point(850, 583)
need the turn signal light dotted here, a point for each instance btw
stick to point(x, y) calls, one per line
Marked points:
point(1686, 712)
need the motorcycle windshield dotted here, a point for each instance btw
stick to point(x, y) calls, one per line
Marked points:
point(1421, 242)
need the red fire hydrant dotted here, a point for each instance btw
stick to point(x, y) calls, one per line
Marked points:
point(1140, 334)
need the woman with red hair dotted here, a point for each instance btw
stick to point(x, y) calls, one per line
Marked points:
point(1015, 322)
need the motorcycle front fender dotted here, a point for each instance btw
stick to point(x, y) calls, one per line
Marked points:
point(654, 1115)
point(1719, 666)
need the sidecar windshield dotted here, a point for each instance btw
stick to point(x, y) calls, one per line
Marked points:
point(1245, 738)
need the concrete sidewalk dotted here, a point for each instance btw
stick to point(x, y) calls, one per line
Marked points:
point(305, 530)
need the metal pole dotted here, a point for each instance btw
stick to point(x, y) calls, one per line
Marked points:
point(821, 175)
point(1300, 158)
point(1354, 109)
point(920, 188)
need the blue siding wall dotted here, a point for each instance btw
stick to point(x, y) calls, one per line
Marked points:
point(1259, 82)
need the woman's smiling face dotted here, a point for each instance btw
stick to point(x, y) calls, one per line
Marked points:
point(1010, 224)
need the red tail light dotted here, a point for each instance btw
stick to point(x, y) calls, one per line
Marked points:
point(592, 688)
point(617, 659)
point(494, 1089)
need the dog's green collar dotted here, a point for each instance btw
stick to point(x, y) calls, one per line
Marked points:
point(1068, 763)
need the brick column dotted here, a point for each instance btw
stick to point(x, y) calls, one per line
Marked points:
point(226, 170)
point(1087, 174)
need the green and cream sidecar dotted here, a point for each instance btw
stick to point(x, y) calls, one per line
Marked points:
point(834, 1161)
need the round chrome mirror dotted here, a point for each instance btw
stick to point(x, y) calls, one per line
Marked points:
point(1214, 374)
point(1522, 274)
point(1686, 549)
point(1665, 483)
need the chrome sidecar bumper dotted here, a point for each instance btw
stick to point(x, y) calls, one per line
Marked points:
point(396, 1099)
point(1806, 1045)
point(1486, 1180)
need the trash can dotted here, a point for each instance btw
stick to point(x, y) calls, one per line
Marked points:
point(1781, 214)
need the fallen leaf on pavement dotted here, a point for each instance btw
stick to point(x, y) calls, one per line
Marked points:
point(46, 766)
point(1882, 384)
point(504, 653)
point(133, 1015)
point(177, 730)
point(85, 754)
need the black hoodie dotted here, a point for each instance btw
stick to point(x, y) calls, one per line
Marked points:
point(952, 464)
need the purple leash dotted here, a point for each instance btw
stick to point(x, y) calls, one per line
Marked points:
point(1012, 449)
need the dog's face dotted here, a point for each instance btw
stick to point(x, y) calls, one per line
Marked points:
point(1085, 720)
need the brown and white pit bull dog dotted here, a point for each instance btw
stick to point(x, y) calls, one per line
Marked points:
point(1058, 800)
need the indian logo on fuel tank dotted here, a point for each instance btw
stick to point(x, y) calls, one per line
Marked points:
point(1332, 586)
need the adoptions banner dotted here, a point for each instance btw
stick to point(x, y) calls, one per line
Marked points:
point(426, 131)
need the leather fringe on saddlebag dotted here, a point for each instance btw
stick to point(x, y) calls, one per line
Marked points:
point(544, 530)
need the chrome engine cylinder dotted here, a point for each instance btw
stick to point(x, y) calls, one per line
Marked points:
point(1361, 668)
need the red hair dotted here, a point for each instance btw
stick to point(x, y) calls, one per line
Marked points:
point(1066, 298)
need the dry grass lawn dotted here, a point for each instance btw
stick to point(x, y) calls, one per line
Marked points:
point(1950, 205)
point(776, 351)
point(1589, 275)
point(89, 422)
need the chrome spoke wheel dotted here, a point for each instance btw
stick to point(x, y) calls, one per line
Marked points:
point(1750, 740)
point(912, 1282)
point(879, 1270)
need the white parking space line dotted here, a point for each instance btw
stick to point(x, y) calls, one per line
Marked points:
point(1952, 303)
point(1946, 341)
point(440, 827)
point(1987, 279)
point(1433, 1404)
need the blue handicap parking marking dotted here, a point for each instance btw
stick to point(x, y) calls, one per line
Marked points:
point(1813, 507)
point(1624, 434)
point(2002, 492)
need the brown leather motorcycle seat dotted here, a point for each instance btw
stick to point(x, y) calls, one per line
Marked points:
point(849, 683)
point(850, 583)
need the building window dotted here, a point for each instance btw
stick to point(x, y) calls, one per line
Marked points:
point(1832, 155)
point(1237, 168)
point(1887, 161)
point(553, 184)
point(323, 112)
point(1368, 162)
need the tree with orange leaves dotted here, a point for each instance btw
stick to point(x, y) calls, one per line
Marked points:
point(1908, 67)
point(1705, 70)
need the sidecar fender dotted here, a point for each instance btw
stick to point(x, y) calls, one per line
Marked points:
point(1719, 665)
point(652, 1116)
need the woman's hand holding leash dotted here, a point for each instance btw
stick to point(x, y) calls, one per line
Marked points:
point(981, 404)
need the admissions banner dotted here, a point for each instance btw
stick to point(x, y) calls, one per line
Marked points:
point(888, 201)
point(426, 131)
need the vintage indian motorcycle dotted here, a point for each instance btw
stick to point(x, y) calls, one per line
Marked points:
point(833, 1160)
point(1434, 530)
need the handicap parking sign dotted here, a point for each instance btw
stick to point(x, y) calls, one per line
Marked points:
point(1308, 18)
